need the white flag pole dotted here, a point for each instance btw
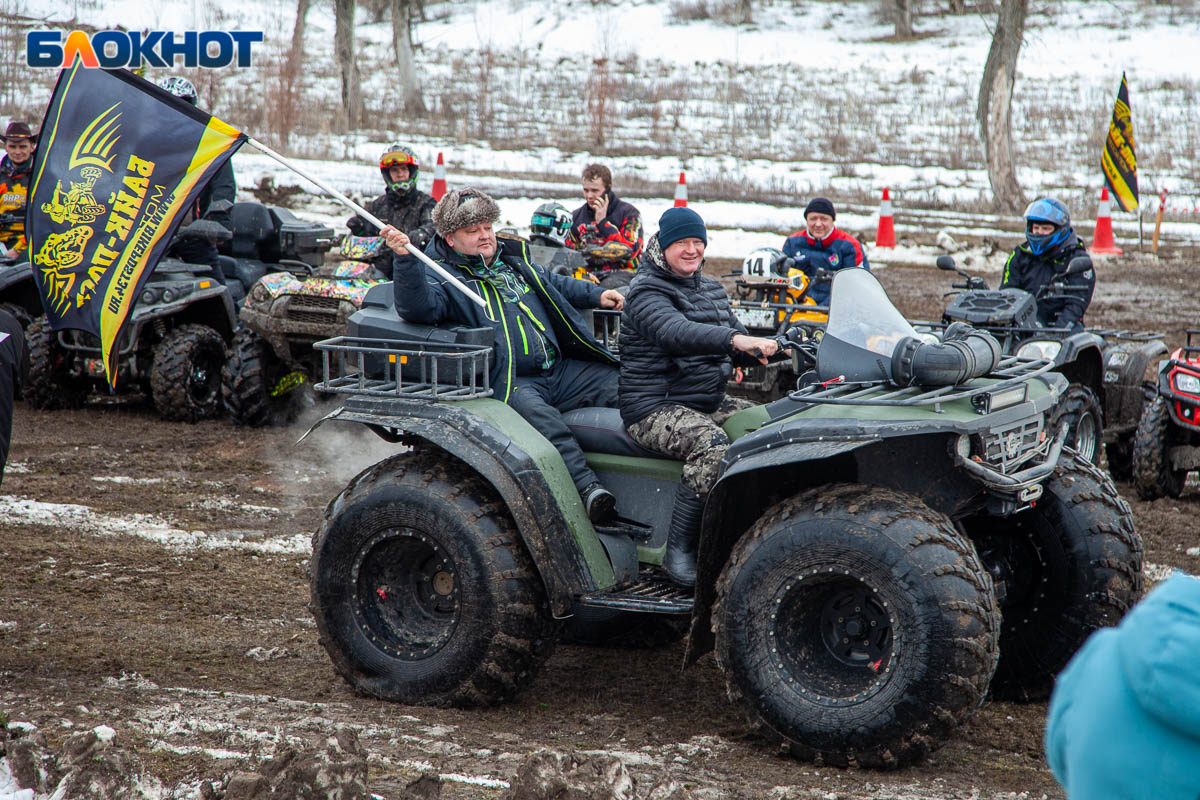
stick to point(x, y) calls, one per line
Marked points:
point(369, 217)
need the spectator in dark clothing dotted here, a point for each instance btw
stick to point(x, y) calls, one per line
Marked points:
point(15, 170)
point(222, 186)
point(402, 206)
point(605, 219)
point(679, 339)
point(12, 345)
point(1050, 246)
point(546, 360)
point(823, 246)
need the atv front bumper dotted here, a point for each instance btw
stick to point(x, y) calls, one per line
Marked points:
point(1012, 492)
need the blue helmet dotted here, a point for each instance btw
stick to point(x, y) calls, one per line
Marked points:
point(1052, 212)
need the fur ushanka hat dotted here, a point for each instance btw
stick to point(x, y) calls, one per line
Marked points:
point(461, 208)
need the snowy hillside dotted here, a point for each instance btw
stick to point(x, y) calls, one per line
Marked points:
point(813, 97)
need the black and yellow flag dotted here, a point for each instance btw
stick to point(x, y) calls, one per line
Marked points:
point(1118, 160)
point(119, 163)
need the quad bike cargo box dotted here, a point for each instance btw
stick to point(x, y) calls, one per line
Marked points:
point(997, 307)
point(303, 241)
point(377, 319)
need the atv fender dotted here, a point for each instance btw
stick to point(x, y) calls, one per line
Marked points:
point(1125, 365)
point(520, 464)
point(211, 306)
point(1080, 360)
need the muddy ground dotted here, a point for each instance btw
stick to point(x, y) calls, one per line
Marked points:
point(163, 593)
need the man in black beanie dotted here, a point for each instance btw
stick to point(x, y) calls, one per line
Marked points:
point(822, 245)
point(679, 339)
point(547, 361)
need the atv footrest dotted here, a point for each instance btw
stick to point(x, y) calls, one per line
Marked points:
point(652, 593)
point(627, 527)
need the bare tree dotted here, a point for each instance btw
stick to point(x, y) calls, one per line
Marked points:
point(903, 11)
point(743, 12)
point(402, 14)
point(284, 113)
point(994, 111)
point(343, 47)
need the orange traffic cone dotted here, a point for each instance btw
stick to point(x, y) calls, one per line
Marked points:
point(681, 193)
point(885, 235)
point(439, 179)
point(1102, 241)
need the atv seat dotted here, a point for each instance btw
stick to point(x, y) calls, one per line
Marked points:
point(600, 430)
point(254, 234)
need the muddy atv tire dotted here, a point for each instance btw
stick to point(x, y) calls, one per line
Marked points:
point(856, 625)
point(1119, 455)
point(422, 590)
point(51, 384)
point(1080, 408)
point(185, 380)
point(634, 630)
point(251, 384)
point(1152, 473)
point(1063, 569)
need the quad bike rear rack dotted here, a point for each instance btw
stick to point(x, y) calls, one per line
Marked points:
point(419, 370)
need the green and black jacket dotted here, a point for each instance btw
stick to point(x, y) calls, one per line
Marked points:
point(423, 296)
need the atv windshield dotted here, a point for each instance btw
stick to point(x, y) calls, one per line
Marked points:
point(863, 331)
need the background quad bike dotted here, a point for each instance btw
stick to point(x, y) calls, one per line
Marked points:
point(1105, 367)
point(770, 296)
point(1167, 444)
point(175, 344)
point(862, 586)
point(171, 350)
point(301, 300)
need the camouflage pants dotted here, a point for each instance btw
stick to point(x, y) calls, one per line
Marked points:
point(691, 436)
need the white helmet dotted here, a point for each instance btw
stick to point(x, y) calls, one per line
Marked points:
point(181, 88)
point(765, 263)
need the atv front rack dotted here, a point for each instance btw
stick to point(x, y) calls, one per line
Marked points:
point(386, 368)
point(1012, 371)
point(1032, 332)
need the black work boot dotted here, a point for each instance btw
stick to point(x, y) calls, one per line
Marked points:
point(679, 560)
point(598, 502)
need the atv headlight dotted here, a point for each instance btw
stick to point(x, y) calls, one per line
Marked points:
point(259, 294)
point(168, 295)
point(962, 446)
point(148, 296)
point(1040, 348)
point(1187, 383)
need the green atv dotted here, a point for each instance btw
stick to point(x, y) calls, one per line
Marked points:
point(883, 547)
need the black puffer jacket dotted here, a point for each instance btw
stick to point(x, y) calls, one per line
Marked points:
point(412, 213)
point(676, 336)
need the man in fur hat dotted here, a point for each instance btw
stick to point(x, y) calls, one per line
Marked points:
point(15, 170)
point(547, 361)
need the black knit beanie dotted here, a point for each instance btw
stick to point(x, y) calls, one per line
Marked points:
point(820, 205)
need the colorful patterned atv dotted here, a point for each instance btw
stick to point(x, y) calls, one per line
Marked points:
point(266, 377)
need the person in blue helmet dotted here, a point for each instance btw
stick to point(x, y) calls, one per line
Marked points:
point(1124, 718)
point(1050, 245)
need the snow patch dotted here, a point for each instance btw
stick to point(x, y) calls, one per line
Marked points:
point(145, 526)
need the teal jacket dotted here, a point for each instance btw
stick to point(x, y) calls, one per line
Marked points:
point(422, 296)
point(1124, 719)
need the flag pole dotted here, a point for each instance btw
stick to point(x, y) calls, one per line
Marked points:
point(369, 217)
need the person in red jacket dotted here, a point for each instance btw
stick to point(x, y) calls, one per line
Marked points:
point(605, 219)
point(823, 246)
